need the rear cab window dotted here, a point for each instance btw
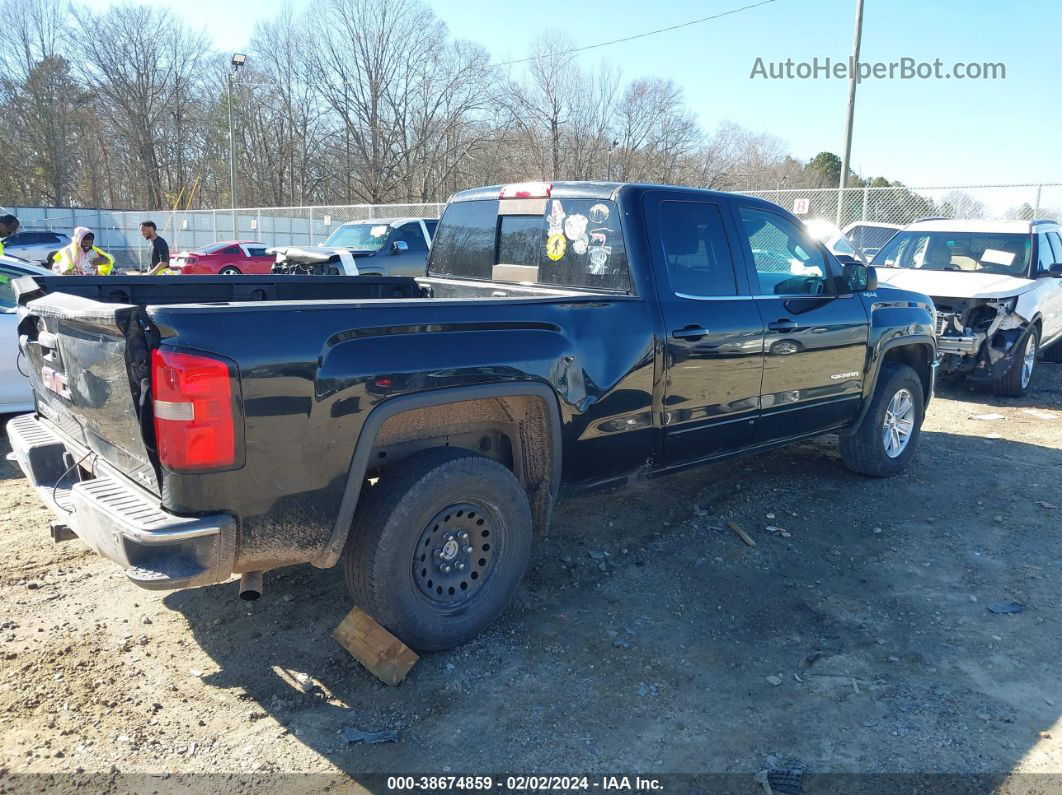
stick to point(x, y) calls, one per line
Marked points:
point(555, 242)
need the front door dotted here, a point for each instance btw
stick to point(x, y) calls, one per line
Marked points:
point(815, 341)
point(714, 345)
point(414, 260)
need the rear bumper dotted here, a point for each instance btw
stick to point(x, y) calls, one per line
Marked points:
point(120, 521)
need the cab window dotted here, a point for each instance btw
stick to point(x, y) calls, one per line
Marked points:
point(787, 260)
point(696, 253)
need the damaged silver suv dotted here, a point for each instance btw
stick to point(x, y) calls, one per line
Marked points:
point(997, 286)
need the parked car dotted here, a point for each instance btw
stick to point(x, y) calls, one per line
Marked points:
point(375, 247)
point(566, 337)
point(869, 236)
point(997, 286)
point(833, 238)
point(34, 245)
point(228, 258)
point(16, 394)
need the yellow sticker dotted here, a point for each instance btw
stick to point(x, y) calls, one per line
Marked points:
point(555, 245)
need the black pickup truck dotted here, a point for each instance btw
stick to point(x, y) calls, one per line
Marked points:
point(566, 337)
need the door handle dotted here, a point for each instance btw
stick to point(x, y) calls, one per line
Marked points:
point(689, 333)
point(783, 325)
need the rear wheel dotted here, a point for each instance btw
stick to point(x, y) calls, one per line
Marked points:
point(1015, 382)
point(229, 270)
point(886, 437)
point(439, 546)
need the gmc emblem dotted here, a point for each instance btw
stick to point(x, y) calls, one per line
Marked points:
point(55, 382)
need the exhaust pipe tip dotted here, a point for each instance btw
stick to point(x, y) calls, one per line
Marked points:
point(251, 585)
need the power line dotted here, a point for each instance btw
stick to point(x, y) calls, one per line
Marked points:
point(648, 33)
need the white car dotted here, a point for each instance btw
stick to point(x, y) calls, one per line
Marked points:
point(869, 236)
point(997, 286)
point(34, 246)
point(830, 235)
point(16, 394)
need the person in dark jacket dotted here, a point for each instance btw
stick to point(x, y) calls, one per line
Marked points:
point(160, 249)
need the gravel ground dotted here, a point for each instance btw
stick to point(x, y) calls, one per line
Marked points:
point(855, 636)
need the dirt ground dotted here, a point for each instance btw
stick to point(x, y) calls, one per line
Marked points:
point(855, 636)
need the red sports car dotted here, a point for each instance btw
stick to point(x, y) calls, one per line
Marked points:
point(227, 259)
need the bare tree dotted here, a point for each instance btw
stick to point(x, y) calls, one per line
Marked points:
point(143, 64)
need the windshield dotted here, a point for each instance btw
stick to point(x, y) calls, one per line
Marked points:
point(1005, 254)
point(360, 237)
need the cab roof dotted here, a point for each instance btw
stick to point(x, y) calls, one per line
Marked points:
point(607, 190)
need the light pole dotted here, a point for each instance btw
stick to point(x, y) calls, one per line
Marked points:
point(238, 60)
point(853, 72)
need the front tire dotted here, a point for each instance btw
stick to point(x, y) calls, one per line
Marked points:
point(439, 546)
point(884, 441)
point(1015, 382)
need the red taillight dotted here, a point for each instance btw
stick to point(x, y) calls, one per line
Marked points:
point(526, 190)
point(194, 424)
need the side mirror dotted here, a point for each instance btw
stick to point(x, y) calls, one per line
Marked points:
point(858, 277)
point(1055, 271)
point(399, 247)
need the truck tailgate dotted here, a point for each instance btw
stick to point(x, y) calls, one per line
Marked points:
point(89, 363)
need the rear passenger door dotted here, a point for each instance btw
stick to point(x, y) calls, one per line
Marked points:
point(815, 341)
point(714, 335)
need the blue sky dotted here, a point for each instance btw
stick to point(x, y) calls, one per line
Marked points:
point(926, 133)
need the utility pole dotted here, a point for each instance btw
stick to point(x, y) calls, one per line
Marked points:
point(852, 82)
point(238, 60)
point(608, 167)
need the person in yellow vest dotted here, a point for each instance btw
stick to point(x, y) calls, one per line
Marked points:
point(8, 226)
point(82, 258)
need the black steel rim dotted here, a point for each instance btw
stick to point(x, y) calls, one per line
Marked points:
point(453, 558)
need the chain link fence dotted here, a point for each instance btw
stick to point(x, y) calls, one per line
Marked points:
point(902, 205)
point(119, 231)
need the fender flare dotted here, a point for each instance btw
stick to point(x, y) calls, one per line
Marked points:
point(359, 462)
point(879, 357)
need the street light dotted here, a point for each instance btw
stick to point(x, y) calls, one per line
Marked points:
point(238, 60)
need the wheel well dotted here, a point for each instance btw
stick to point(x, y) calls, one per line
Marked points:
point(514, 431)
point(917, 356)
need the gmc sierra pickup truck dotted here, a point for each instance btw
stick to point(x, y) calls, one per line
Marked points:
point(566, 337)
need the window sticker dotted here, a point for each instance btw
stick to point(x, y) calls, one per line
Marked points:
point(580, 244)
point(575, 226)
point(599, 213)
point(555, 246)
point(598, 259)
point(556, 219)
point(997, 257)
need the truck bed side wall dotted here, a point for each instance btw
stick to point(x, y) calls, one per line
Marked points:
point(307, 402)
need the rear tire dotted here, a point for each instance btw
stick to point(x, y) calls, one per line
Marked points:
point(1015, 382)
point(432, 513)
point(229, 270)
point(887, 436)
